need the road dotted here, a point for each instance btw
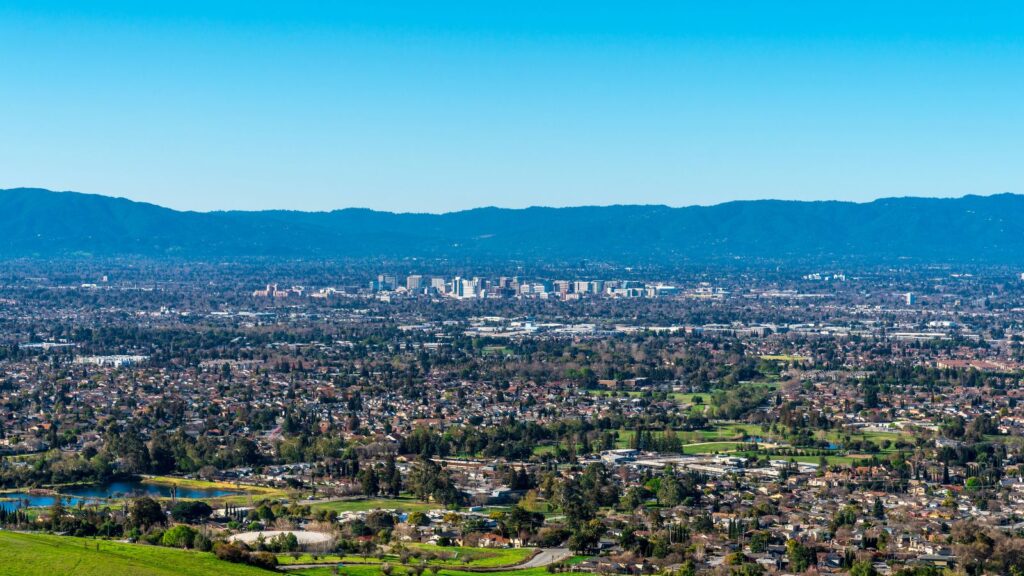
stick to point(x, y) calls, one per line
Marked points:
point(546, 556)
point(541, 559)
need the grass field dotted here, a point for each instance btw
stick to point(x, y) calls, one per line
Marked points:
point(250, 492)
point(460, 556)
point(784, 358)
point(544, 449)
point(616, 393)
point(401, 571)
point(832, 460)
point(838, 435)
point(689, 397)
point(709, 447)
point(399, 504)
point(726, 432)
point(502, 350)
point(625, 439)
point(45, 555)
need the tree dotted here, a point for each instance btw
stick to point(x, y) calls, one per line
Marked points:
point(428, 481)
point(631, 499)
point(800, 556)
point(973, 546)
point(378, 520)
point(878, 510)
point(759, 541)
point(669, 493)
point(392, 478)
point(161, 455)
point(145, 512)
point(577, 508)
point(1009, 556)
point(180, 536)
point(520, 520)
point(418, 519)
point(586, 537)
point(846, 516)
point(191, 511)
point(369, 481)
point(863, 568)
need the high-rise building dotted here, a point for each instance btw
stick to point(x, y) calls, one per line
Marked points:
point(386, 282)
point(414, 282)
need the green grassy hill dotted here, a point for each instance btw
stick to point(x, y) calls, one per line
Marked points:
point(45, 555)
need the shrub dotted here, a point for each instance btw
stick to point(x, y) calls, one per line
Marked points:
point(265, 560)
point(180, 536)
point(191, 511)
point(230, 552)
point(240, 554)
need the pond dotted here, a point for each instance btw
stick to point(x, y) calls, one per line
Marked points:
point(134, 488)
point(93, 493)
point(14, 500)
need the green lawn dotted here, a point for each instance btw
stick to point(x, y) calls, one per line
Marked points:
point(618, 393)
point(687, 398)
point(837, 437)
point(784, 358)
point(544, 449)
point(398, 570)
point(45, 555)
point(832, 460)
point(453, 556)
point(248, 491)
point(479, 557)
point(729, 433)
point(625, 439)
point(708, 447)
point(400, 504)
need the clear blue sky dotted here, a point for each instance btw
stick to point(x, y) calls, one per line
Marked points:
point(426, 106)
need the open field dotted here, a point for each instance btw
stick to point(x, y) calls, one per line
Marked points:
point(497, 350)
point(838, 435)
point(625, 438)
point(400, 504)
point(732, 432)
point(45, 555)
point(459, 556)
point(690, 397)
point(205, 484)
point(401, 571)
point(250, 491)
point(544, 449)
point(832, 460)
point(618, 393)
point(709, 447)
point(784, 358)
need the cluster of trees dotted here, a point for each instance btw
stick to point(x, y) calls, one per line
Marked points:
point(383, 479)
point(239, 553)
point(980, 549)
point(429, 481)
point(510, 440)
point(146, 520)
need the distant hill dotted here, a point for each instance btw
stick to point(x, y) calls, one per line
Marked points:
point(988, 229)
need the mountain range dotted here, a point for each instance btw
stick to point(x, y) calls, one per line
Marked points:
point(40, 223)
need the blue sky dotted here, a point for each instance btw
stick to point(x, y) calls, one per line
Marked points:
point(427, 106)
